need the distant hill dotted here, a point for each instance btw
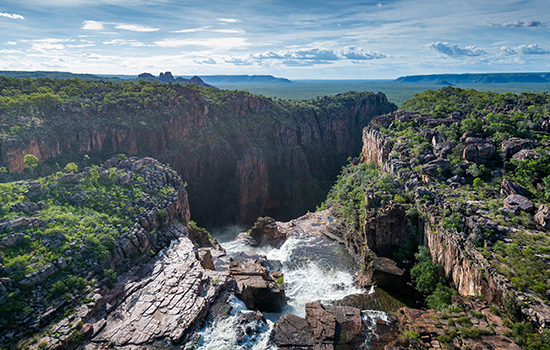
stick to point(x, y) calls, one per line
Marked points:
point(257, 79)
point(489, 78)
point(54, 75)
point(163, 77)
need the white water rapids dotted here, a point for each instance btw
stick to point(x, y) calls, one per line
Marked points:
point(315, 270)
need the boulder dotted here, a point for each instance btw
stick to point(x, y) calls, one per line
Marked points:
point(384, 273)
point(292, 331)
point(515, 144)
point(334, 325)
point(205, 257)
point(14, 239)
point(542, 217)
point(477, 150)
point(436, 167)
point(515, 201)
point(508, 187)
point(443, 149)
point(257, 288)
point(264, 232)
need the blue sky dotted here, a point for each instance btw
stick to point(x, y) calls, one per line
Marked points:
point(294, 39)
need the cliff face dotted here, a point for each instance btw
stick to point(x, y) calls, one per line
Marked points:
point(241, 155)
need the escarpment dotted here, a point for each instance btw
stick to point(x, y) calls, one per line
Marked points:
point(242, 155)
point(470, 191)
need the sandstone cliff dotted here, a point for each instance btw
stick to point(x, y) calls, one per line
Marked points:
point(242, 155)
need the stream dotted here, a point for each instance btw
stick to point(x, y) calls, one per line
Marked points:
point(315, 269)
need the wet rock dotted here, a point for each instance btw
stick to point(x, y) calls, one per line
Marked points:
point(508, 187)
point(436, 167)
point(384, 273)
point(477, 150)
point(264, 232)
point(542, 217)
point(515, 144)
point(248, 324)
point(292, 332)
point(257, 287)
point(515, 201)
point(322, 323)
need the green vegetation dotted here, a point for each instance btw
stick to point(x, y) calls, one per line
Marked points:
point(71, 221)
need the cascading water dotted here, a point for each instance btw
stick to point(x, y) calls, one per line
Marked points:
point(315, 269)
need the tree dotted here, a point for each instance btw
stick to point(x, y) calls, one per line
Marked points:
point(71, 168)
point(30, 162)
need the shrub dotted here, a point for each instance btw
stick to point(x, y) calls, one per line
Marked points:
point(440, 298)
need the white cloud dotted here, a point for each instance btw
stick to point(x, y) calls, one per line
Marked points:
point(11, 43)
point(531, 49)
point(10, 15)
point(136, 28)
point(47, 45)
point(453, 50)
point(120, 42)
point(211, 42)
point(192, 30)
point(229, 20)
point(230, 31)
point(93, 25)
point(205, 61)
point(307, 56)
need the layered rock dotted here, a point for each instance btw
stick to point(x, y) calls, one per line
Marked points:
point(264, 232)
point(257, 287)
point(324, 327)
point(162, 299)
point(243, 156)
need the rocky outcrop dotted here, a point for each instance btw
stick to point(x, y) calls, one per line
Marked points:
point(542, 217)
point(384, 273)
point(436, 167)
point(432, 328)
point(161, 299)
point(243, 156)
point(325, 327)
point(257, 287)
point(477, 150)
point(264, 232)
point(516, 203)
point(513, 145)
point(376, 148)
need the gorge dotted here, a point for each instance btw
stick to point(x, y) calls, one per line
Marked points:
point(108, 257)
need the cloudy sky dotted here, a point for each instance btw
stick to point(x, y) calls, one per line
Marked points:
point(296, 39)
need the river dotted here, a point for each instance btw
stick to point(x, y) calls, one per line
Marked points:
point(315, 269)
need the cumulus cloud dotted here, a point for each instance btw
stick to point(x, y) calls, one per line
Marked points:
point(453, 50)
point(136, 28)
point(307, 56)
point(519, 24)
point(11, 43)
point(47, 45)
point(205, 61)
point(92, 25)
point(531, 49)
point(229, 20)
point(11, 15)
point(120, 42)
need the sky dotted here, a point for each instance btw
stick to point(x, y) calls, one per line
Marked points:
point(295, 39)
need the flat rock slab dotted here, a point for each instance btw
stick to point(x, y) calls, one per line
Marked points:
point(166, 302)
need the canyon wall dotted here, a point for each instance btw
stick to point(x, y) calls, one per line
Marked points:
point(241, 155)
